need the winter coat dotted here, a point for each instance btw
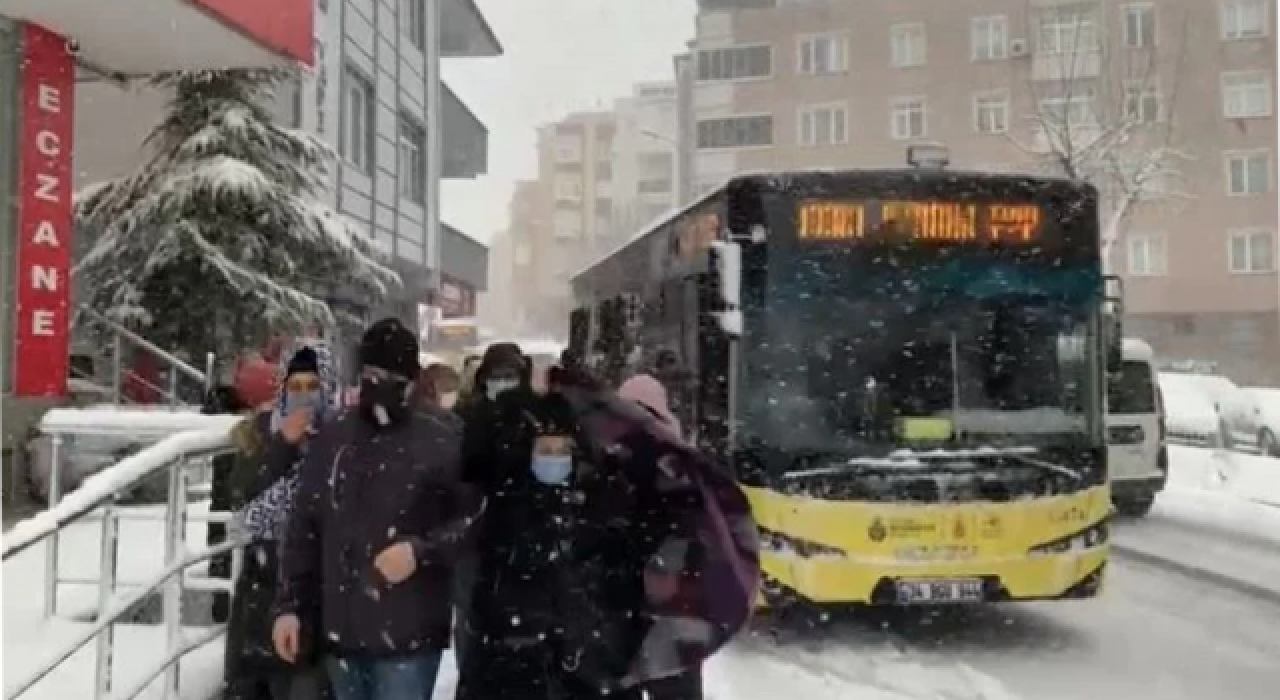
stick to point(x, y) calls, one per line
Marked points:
point(249, 651)
point(555, 576)
point(361, 490)
point(692, 523)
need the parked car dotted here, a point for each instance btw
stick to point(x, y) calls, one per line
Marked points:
point(1190, 415)
point(1237, 417)
point(1137, 457)
point(1266, 402)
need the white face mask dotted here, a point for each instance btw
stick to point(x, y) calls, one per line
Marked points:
point(448, 400)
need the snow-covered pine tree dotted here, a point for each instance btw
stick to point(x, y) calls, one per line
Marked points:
point(222, 234)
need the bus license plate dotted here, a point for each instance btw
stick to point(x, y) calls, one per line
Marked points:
point(940, 591)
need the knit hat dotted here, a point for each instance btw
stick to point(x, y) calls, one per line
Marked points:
point(389, 346)
point(303, 361)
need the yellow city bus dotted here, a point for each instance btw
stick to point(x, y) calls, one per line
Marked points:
point(906, 369)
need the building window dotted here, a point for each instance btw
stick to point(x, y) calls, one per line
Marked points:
point(604, 171)
point(604, 208)
point(907, 45)
point(1140, 25)
point(1143, 103)
point(735, 63)
point(1075, 112)
point(823, 54)
point(824, 125)
point(1248, 173)
point(908, 118)
point(568, 225)
point(568, 189)
point(413, 161)
point(413, 23)
point(991, 113)
point(568, 149)
point(735, 132)
point(1066, 31)
point(357, 116)
point(1244, 19)
point(524, 254)
point(1148, 254)
point(1252, 251)
point(989, 38)
point(1246, 94)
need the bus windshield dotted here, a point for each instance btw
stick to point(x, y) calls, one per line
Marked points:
point(861, 347)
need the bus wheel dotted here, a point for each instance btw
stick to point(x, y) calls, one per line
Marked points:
point(1137, 507)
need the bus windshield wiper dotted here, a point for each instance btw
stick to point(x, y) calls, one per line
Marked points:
point(907, 459)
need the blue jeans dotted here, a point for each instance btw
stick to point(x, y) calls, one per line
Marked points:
point(404, 678)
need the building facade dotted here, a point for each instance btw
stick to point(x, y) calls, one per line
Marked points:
point(645, 159)
point(999, 82)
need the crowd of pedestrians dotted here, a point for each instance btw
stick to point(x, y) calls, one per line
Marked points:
point(562, 540)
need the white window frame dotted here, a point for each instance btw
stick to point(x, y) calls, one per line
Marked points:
point(1068, 28)
point(1147, 241)
point(1138, 94)
point(904, 106)
point(1088, 118)
point(773, 64)
point(1229, 159)
point(413, 22)
point(357, 144)
point(806, 115)
point(1144, 12)
point(1004, 105)
point(836, 46)
point(908, 45)
point(1250, 234)
point(568, 194)
point(989, 27)
point(773, 132)
point(1233, 12)
point(412, 171)
point(1233, 96)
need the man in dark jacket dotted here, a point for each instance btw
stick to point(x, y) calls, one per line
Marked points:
point(379, 513)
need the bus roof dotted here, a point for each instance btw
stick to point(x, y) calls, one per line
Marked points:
point(786, 180)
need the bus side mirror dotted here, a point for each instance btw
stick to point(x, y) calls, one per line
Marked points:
point(726, 264)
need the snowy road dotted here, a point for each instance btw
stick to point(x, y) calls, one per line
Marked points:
point(1153, 634)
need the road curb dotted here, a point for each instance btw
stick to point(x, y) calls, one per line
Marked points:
point(1241, 586)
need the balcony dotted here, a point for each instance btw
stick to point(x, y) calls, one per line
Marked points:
point(464, 32)
point(141, 37)
point(465, 139)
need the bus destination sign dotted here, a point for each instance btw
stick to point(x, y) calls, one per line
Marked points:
point(889, 221)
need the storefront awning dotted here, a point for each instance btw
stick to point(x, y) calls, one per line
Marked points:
point(141, 37)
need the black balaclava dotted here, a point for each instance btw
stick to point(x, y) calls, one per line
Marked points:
point(392, 348)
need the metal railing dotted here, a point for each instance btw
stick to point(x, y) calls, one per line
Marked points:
point(176, 369)
point(96, 500)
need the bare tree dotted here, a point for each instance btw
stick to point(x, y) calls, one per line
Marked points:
point(1103, 106)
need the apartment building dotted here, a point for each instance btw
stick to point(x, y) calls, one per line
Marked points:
point(519, 304)
point(820, 83)
point(645, 159)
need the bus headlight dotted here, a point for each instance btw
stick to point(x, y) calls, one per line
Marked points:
point(779, 543)
point(1093, 536)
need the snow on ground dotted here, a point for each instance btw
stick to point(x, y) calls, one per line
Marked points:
point(1223, 490)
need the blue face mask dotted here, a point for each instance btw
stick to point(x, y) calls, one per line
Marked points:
point(297, 401)
point(494, 387)
point(552, 470)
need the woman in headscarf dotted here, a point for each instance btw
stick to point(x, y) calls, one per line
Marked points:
point(306, 399)
point(648, 393)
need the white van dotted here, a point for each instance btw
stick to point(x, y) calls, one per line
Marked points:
point(1137, 455)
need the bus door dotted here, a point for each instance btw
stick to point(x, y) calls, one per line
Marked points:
point(712, 363)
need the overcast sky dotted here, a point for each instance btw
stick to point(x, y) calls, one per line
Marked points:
point(561, 56)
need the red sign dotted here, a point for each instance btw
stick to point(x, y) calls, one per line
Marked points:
point(42, 334)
